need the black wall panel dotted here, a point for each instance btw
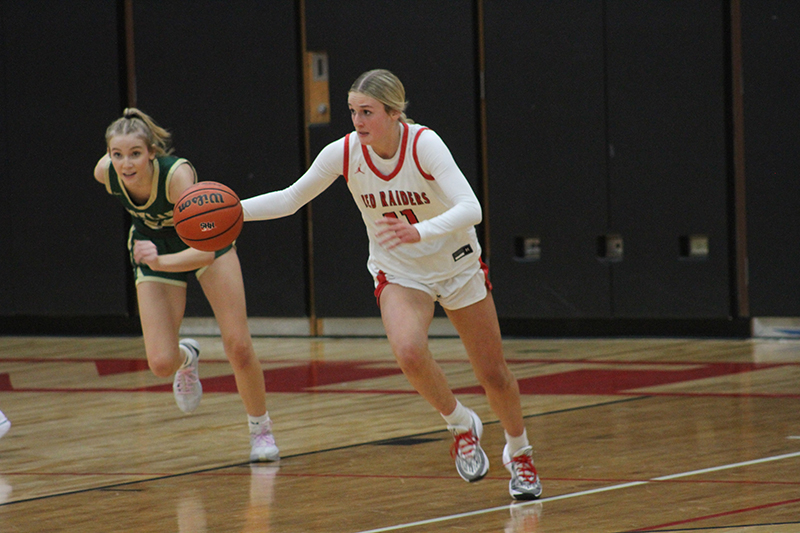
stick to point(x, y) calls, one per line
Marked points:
point(668, 173)
point(223, 77)
point(437, 66)
point(772, 141)
point(7, 304)
point(63, 238)
point(546, 154)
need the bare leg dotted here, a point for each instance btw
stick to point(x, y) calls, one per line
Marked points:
point(479, 330)
point(223, 286)
point(161, 308)
point(407, 315)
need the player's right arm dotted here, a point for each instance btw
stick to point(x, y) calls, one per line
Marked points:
point(323, 172)
point(101, 169)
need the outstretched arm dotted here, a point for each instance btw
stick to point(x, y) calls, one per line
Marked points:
point(323, 172)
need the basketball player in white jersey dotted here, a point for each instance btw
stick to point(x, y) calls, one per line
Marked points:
point(420, 212)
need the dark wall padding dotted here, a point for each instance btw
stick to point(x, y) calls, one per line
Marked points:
point(772, 143)
point(668, 169)
point(546, 155)
point(604, 119)
point(63, 237)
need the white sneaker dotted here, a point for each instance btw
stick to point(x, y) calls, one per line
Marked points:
point(262, 444)
point(472, 463)
point(5, 424)
point(186, 386)
point(525, 483)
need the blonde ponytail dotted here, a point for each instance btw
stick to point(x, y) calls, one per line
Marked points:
point(136, 122)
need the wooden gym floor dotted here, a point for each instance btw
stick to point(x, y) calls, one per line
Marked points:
point(629, 435)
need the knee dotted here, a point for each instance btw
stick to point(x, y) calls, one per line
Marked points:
point(497, 377)
point(240, 353)
point(412, 357)
point(162, 365)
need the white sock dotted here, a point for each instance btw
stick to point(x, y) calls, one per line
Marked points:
point(461, 416)
point(256, 422)
point(187, 355)
point(515, 444)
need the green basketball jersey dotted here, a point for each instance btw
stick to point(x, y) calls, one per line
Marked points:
point(155, 215)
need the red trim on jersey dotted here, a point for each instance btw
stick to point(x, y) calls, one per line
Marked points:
point(416, 159)
point(382, 283)
point(403, 145)
point(346, 167)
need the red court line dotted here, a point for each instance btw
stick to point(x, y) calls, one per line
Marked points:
point(313, 377)
point(718, 515)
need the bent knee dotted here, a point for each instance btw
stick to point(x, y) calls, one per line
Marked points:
point(497, 378)
point(240, 353)
point(412, 357)
point(162, 365)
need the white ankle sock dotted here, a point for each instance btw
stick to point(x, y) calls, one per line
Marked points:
point(459, 417)
point(255, 422)
point(515, 444)
point(187, 355)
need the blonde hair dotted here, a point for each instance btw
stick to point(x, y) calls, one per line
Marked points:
point(384, 87)
point(138, 123)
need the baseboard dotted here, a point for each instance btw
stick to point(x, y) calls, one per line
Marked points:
point(626, 327)
point(777, 327)
point(441, 327)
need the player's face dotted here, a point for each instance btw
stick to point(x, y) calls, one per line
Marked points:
point(373, 124)
point(131, 157)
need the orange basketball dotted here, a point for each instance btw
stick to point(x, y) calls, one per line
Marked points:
point(208, 216)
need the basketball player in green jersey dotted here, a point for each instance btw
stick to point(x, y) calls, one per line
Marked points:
point(139, 170)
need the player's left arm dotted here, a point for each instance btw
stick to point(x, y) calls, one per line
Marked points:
point(145, 253)
point(182, 178)
point(435, 159)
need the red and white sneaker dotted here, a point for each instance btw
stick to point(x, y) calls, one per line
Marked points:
point(525, 483)
point(472, 463)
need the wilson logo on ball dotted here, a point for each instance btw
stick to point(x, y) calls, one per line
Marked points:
point(201, 200)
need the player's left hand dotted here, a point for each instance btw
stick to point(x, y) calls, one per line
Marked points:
point(396, 231)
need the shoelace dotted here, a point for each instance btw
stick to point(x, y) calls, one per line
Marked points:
point(186, 380)
point(464, 444)
point(524, 468)
point(264, 437)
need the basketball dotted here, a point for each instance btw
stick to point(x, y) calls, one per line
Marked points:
point(208, 216)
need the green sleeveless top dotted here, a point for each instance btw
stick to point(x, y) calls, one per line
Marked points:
point(154, 217)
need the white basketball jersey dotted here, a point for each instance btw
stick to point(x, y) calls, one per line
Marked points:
point(400, 188)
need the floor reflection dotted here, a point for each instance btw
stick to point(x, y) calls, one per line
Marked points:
point(525, 517)
point(191, 511)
